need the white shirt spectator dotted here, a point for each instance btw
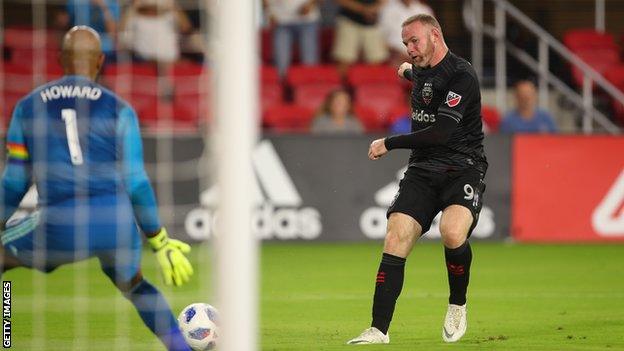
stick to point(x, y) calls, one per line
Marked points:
point(287, 11)
point(393, 14)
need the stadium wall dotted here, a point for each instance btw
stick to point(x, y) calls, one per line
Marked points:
point(568, 188)
point(316, 188)
point(539, 188)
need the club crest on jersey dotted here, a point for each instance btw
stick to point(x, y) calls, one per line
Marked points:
point(452, 99)
point(427, 93)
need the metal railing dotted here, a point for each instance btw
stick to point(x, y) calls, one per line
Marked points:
point(546, 42)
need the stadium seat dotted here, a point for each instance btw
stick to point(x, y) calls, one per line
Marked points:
point(266, 46)
point(601, 60)
point(8, 104)
point(269, 75)
point(491, 118)
point(140, 69)
point(371, 74)
point(271, 94)
point(18, 79)
point(190, 110)
point(299, 75)
point(26, 56)
point(186, 69)
point(313, 95)
point(380, 97)
point(372, 120)
point(288, 118)
point(615, 75)
point(587, 38)
point(26, 38)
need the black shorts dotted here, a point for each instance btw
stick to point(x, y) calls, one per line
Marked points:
point(422, 194)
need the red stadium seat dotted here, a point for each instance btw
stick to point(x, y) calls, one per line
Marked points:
point(139, 69)
point(269, 75)
point(288, 118)
point(491, 118)
point(313, 95)
point(185, 69)
point(299, 75)
point(8, 104)
point(615, 75)
point(586, 38)
point(372, 120)
point(266, 46)
point(17, 79)
point(380, 97)
point(27, 38)
point(271, 94)
point(372, 74)
point(190, 110)
point(600, 60)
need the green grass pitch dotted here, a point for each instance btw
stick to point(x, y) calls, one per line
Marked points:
point(317, 296)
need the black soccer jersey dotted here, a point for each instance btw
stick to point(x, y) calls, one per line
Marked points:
point(450, 89)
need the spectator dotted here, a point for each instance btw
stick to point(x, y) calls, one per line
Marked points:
point(294, 19)
point(527, 117)
point(101, 15)
point(151, 29)
point(336, 115)
point(392, 13)
point(357, 28)
point(401, 124)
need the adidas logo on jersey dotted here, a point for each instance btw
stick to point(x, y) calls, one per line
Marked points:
point(373, 219)
point(421, 116)
point(278, 212)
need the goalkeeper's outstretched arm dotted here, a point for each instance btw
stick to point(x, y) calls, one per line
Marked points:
point(175, 267)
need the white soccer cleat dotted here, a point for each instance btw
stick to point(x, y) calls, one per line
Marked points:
point(455, 323)
point(371, 335)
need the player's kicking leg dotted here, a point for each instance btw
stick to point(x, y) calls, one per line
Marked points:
point(148, 301)
point(402, 233)
point(455, 225)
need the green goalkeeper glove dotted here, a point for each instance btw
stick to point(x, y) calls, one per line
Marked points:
point(175, 267)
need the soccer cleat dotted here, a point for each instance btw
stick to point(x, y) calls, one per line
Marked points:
point(454, 323)
point(371, 335)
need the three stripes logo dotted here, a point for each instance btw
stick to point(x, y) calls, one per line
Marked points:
point(278, 205)
point(608, 217)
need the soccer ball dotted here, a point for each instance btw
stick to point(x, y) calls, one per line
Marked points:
point(199, 324)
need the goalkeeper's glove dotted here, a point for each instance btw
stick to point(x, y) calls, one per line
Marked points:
point(175, 267)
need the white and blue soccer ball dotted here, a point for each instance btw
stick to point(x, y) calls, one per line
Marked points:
point(199, 323)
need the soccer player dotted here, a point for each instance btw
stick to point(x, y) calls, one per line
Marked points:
point(81, 145)
point(445, 173)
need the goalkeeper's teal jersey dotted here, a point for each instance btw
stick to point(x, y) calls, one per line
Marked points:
point(80, 144)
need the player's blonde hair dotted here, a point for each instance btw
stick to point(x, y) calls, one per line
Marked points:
point(424, 19)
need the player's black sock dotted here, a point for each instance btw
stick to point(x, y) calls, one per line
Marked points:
point(458, 266)
point(387, 290)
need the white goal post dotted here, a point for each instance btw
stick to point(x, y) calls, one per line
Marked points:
point(234, 45)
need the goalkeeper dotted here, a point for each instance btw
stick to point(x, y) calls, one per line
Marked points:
point(81, 145)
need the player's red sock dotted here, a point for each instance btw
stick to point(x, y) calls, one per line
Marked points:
point(387, 289)
point(458, 267)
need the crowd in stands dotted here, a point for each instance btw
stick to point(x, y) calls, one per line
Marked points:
point(314, 78)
